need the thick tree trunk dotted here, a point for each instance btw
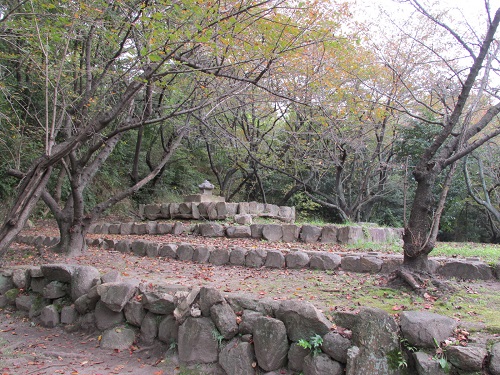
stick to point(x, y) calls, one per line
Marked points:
point(30, 191)
point(72, 235)
point(417, 243)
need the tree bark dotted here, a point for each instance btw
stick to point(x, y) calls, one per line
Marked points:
point(30, 191)
point(416, 248)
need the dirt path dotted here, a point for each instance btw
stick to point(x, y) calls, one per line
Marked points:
point(26, 348)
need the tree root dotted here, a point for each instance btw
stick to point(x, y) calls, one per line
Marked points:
point(421, 283)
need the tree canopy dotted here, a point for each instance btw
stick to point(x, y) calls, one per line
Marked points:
point(277, 101)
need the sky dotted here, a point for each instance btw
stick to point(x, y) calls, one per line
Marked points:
point(473, 10)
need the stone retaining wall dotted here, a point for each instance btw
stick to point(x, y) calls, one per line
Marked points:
point(238, 334)
point(215, 211)
point(370, 262)
point(269, 232)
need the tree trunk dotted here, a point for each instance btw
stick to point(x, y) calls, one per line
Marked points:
point(30, 191)
point(72, 236)
point(417, 244)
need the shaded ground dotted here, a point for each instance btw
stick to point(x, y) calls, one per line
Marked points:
point(475, 304)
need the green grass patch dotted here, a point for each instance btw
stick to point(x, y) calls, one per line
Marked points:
point(489, 253)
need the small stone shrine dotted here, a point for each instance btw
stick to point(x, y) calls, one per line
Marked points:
point(205, 195)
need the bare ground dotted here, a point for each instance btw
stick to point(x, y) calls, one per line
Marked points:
point(27, 348)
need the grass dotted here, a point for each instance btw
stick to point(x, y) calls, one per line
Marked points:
point(489, 253)
point(473, 304)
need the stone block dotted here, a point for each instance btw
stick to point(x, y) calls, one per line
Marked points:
point(302, 319)
point(329, 234)
point(270, 343)
point(6, 283)
point(118, 338)
point(296, 356)
point(58, 272)
point(297, 259)
point(272, 232)
point(114, 228)
point(208, 298)
point(420, 328)
point(149, 328)
point(185, 210)
point(237, 256)
point(211, 230)
point(196, 341)
point(253, 208)
point(164, 211)
point(219, 256)
point(139, 229)
point(240, 231)
point(232, 209)
point(152, 211)
point(322, 364)
point(151, 227)
point(168, 250)
point(138, 247)
point(391, 263)
point(350, 234)
point(248, 319)
point(373, 328)
point(116, 295)
point(201, 253)
point(237, 358)
point(168, 330)
point(173, 210)
point(164, 228)
point(106, 318)
point(152, 249)
point(271, 210)
point(21, 278)
point(322, 260)
point(494, 365)
point(83, 279)
point(49, 316)
point(255, 258)
point(291, 232)
point(275, 259)
point(126, 228)
point(466, 270)
point(134, 312)
point(185, 252)
point(123, 246)
point(310, 233)
point(377, 235)
point(55, 289)
point(287, 214)
point(178, 228)
point(467, 358)
point(425, 364)
point(336, 346)
point(243, 219)
point(221, 208)
point(225, 320)
point(243, 208)
point(24, 302)
point(69, 315)
point(256, 230)
point(158, 303)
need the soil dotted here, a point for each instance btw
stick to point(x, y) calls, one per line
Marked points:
point(28, 348)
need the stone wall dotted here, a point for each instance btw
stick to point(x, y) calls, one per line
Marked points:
point(270, 232)
point(239, 334)
point(215, 211)
point(370, 262)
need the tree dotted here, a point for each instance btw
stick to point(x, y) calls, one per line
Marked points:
point(483, 186)
point(106, 69)
point(465, 109)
